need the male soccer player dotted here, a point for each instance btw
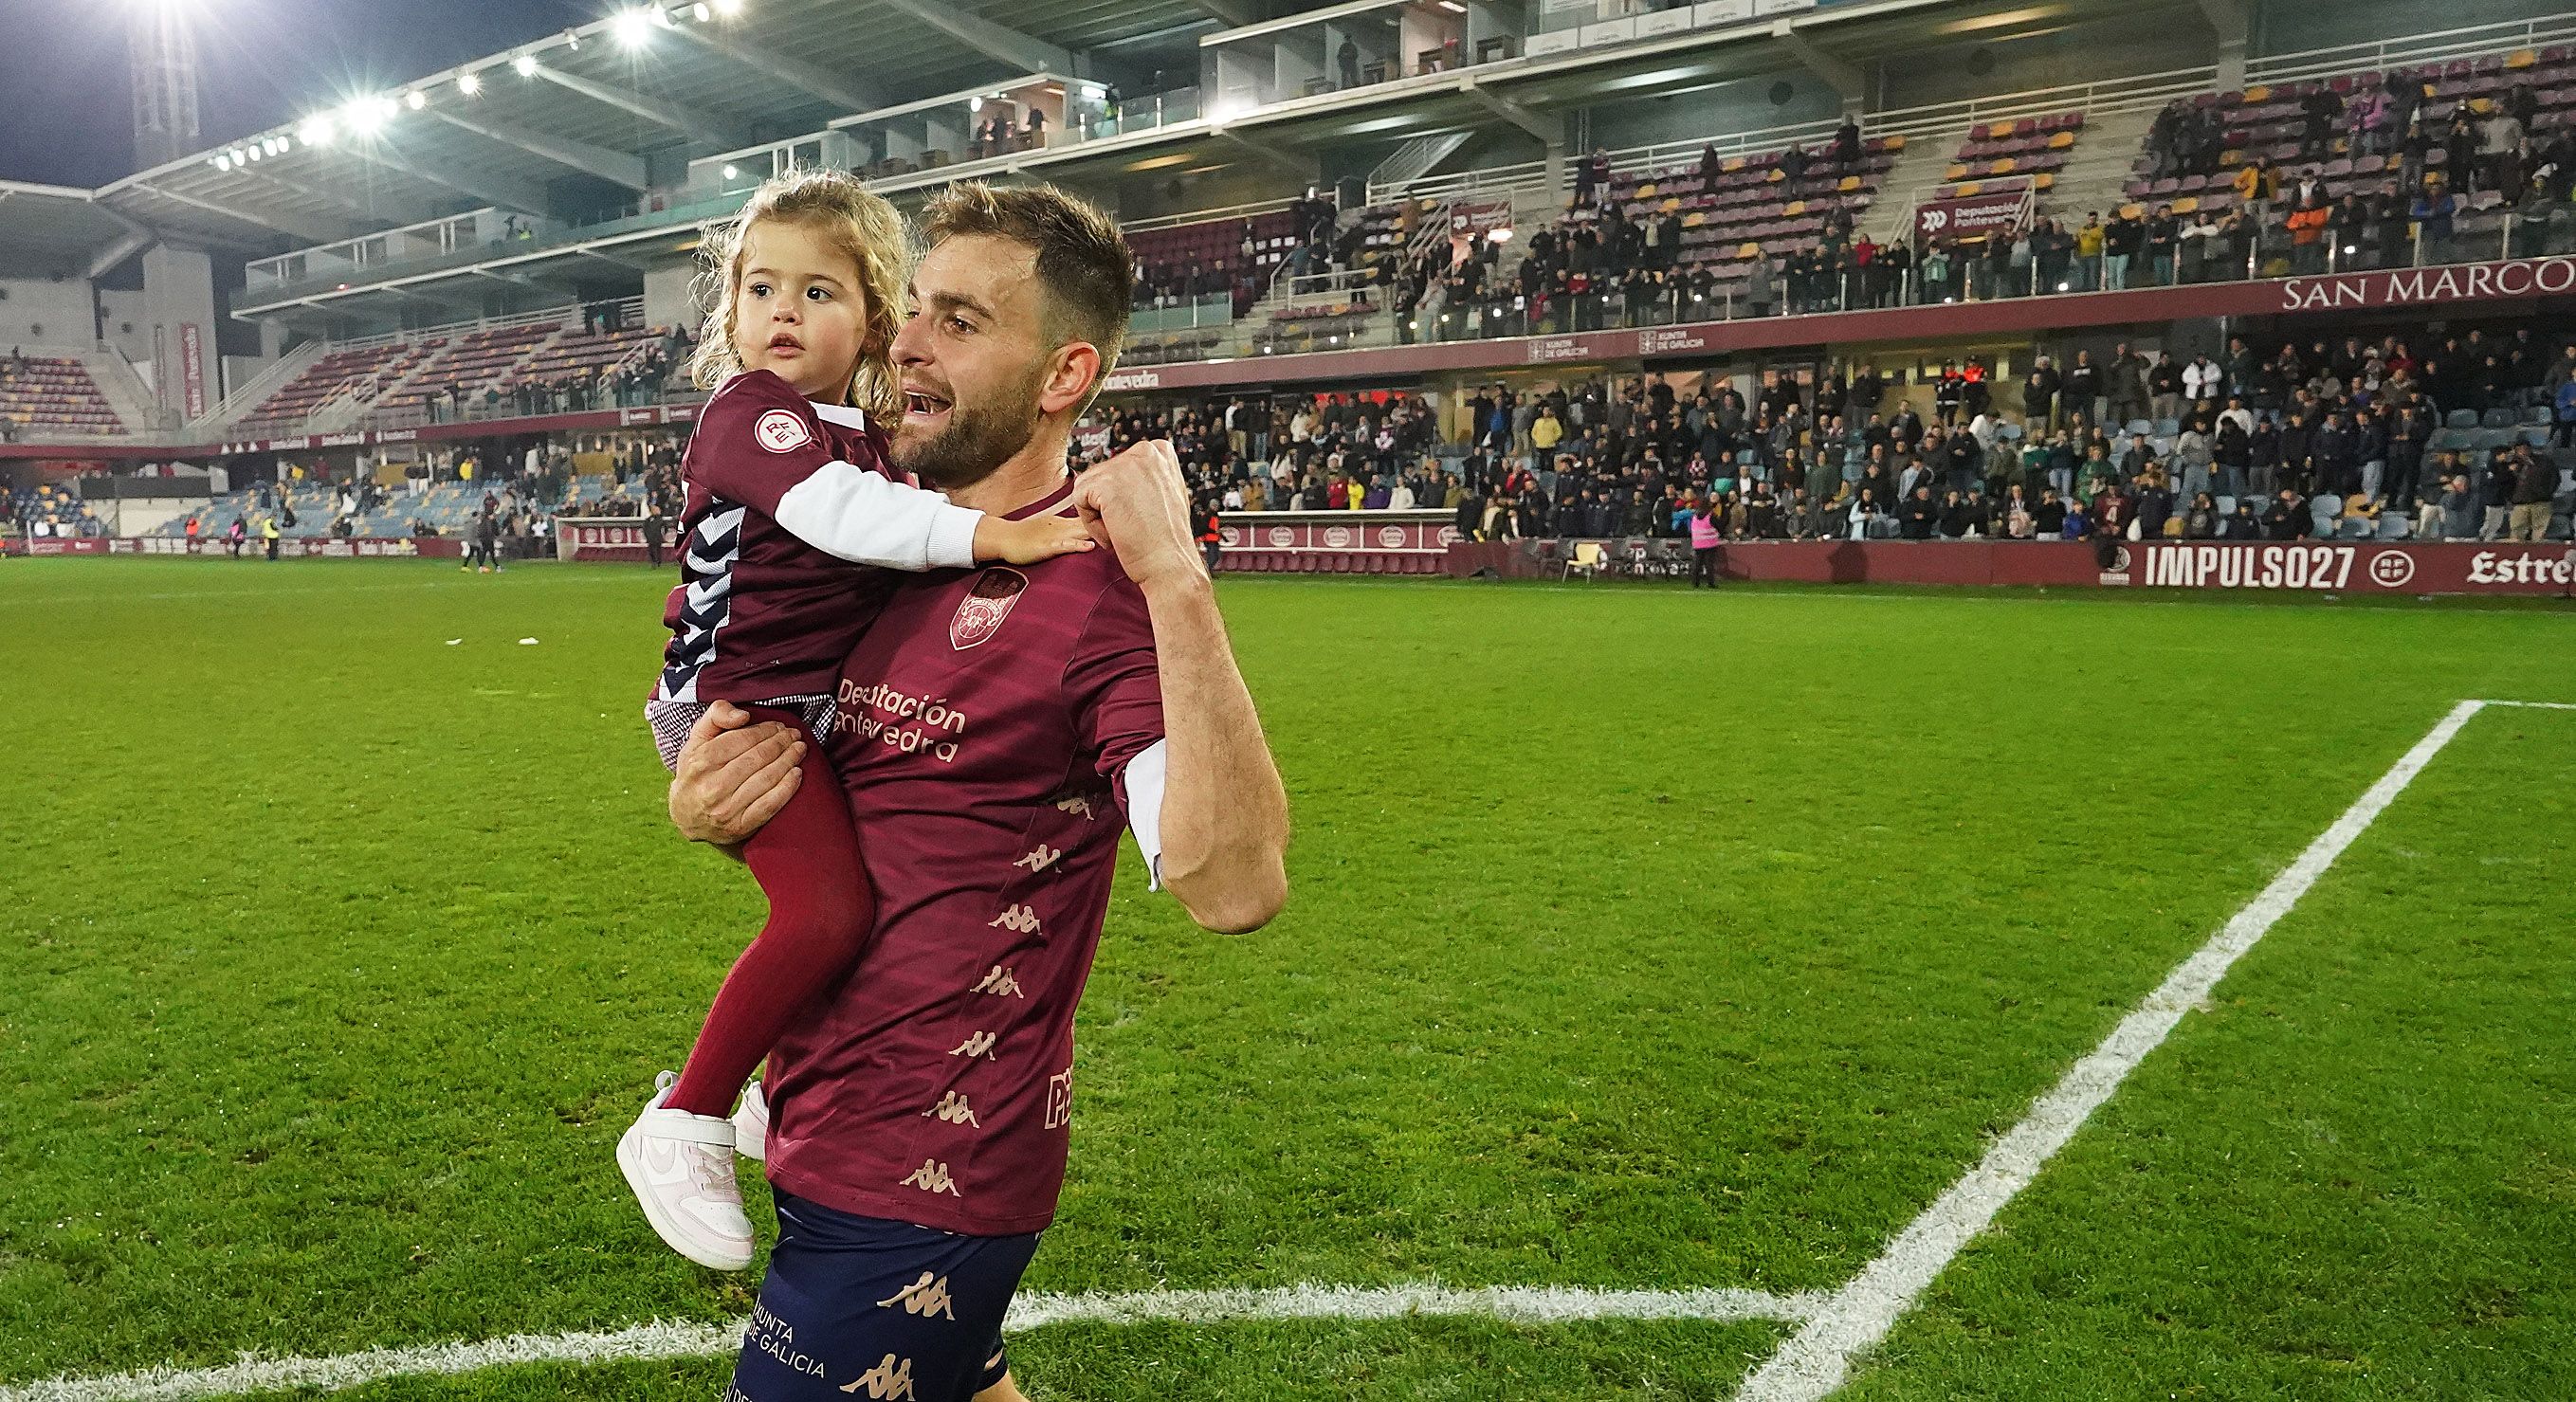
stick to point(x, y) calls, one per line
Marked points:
point(995, 726)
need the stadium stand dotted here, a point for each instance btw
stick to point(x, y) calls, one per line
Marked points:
point(2030, 151)
point(360, 372)
point(43, 394)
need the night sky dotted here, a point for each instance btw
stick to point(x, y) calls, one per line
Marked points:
point(66, 106)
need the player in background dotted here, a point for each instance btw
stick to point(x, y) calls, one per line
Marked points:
point(792, 526)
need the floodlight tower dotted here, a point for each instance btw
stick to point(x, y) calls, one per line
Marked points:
point(164, 53)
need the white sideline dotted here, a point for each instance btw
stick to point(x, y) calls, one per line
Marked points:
point(658, 1340)
point(1814, 1362)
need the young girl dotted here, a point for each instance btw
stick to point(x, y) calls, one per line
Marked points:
point(794, 525)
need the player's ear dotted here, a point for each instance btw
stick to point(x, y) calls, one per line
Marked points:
point(1071, 372)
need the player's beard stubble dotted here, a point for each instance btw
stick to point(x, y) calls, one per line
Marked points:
point(978, 438)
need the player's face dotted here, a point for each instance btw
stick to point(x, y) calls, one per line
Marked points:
point(799, 309)
point(973, 359)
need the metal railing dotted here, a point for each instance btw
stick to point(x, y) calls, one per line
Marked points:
point(2412, 50)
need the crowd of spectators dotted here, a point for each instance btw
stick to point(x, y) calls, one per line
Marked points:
point(2462, 438)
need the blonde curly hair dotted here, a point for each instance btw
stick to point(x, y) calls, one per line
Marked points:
point(857, 223)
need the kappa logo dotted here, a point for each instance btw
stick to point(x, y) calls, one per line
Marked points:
point(884, 1382)
point(780, 431)
point(1060, 1099)
point(953, 1109)
point(1039, 858)
point(932, 1177)
point(927, 1297)
point(1074, 803)
point(977, 1044)
point(1019, 919)
point(1000, 984)
point(980, 615)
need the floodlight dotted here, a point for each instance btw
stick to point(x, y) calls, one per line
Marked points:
point(728, 8)
point(469, 83)
point(633, 28)
point(316, 131)
point(415, 99)
point(731, 171)
point(525, 65)
point(700, 12)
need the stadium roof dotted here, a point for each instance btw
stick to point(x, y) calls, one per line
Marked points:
point(587, 111)
point(56, 231)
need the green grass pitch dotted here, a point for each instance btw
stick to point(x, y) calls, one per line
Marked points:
point(1640, 939)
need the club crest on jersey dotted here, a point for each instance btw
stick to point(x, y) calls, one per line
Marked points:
point(780, 431)
point(986, 605)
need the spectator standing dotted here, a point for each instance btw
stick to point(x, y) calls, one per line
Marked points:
point(2535, 483)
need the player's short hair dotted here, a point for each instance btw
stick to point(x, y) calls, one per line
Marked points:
point(861, 225)
point(1086, 273)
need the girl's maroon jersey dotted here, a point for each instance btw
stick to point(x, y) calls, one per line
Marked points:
point(793, 523)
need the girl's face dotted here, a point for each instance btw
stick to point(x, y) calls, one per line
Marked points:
point(800, 310)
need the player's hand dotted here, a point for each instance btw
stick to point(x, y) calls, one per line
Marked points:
point(1027, 542)
point(1137, 505)
point(733, 776)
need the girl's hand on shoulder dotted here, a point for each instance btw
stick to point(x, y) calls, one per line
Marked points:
point(1030, 541)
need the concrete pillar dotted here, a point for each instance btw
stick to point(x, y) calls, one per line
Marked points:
point(179, 304)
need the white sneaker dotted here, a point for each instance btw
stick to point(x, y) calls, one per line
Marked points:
point(751, 1125)
point(681, 1168)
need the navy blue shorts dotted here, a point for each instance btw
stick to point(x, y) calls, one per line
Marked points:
point(866, 1307)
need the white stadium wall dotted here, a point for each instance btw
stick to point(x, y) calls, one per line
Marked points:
point(42, 312)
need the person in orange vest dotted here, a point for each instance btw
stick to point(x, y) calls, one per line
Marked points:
point(1211, 536)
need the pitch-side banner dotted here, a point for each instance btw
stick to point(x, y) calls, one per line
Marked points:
point(2357, 567)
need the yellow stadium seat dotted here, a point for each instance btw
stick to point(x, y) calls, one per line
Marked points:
point(1775, 176)
point(2004, 165)
point(1956, 172)
point(2521, 58)
point(1732, 163)
point(2133, 211)
point(2042, 181)
point(2482, 105)
point(1693, 221)
point(2186, 204)
point(1895, 143)
point(1793, 208)
point(1646, 191)
point(2061, 141)
point(1968, 189)
point(1999, 131)
point(1847, 184)
point(2258, 93)
point(1671, 204)
point(2231, 157)
point(1750, 250)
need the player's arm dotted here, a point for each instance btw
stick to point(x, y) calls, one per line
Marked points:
point(1223, 815)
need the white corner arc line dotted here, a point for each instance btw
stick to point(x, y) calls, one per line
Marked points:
point(661, 1340)
point(1816, 1360)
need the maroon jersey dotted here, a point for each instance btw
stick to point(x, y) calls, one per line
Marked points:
point(995, 728)
point(792, 523)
